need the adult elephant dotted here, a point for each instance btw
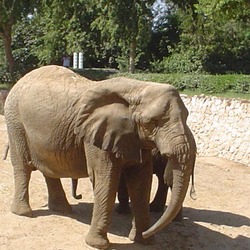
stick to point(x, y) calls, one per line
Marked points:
point(68, 126)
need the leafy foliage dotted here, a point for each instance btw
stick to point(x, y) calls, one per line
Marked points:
point(11, 12)
point(126, 23)
point(219, 36)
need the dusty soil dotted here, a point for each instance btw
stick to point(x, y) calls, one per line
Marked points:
point(218, 219)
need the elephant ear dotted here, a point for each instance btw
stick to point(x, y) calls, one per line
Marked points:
point(109, 127)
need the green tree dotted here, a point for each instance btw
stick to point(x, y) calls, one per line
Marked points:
point(127, 23)
point(10, 12)
point(53, 18)
point(225, 35)
point(66, 28)
point(24, 41)
point(214, 38)
point(166, 32)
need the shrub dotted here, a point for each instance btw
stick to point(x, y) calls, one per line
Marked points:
point(182, 63)
point(242, 85)
point(203, 83)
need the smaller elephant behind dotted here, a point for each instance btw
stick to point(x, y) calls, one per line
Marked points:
point(159, 201)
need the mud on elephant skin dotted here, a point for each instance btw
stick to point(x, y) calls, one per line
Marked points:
point(67, 126)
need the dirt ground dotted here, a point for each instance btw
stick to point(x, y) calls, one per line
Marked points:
point(218, 219)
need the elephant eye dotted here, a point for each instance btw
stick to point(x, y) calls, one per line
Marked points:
point(166, 119)
point(150, 125)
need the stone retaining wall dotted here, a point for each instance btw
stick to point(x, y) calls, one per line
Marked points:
point(221, 126)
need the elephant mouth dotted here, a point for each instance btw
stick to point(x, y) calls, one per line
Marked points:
point(176, 148)
point(182, 153)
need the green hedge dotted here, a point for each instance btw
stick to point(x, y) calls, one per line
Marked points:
point(207, 84)
point(204, 83)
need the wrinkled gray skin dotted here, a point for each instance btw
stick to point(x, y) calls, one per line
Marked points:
point(67, 126)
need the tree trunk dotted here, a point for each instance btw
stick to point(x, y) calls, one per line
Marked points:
point(132, 54)
point(6, 35)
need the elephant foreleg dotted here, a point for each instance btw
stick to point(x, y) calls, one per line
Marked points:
point(158, 204)
point(105, 177)
point(57, 199)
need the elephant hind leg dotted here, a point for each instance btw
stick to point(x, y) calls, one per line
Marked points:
point(22, 171)
point(57, 199)
point(20, 204)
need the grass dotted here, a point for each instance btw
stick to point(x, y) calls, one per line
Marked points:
point(229, 94)
point(6, 86)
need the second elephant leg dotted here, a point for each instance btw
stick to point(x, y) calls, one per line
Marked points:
point(123, 198)
point(139, 179)
point(57, 199)
point(158, 204)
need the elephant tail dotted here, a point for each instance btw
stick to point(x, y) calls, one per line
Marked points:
point(74, 188)
point(5, 153)
point(192, 190)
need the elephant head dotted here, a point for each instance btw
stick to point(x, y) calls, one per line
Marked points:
point(164, 123)
point(125, 117)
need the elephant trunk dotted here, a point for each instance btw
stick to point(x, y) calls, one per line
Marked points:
point(180, 151)
point(179, 190)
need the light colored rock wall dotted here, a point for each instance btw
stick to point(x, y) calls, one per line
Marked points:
point(221, 126)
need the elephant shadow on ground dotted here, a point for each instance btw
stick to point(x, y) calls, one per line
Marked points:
point(81, 212)
point(205, 229)
point(193, 233)
point(218, 217)
point(120, 225)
